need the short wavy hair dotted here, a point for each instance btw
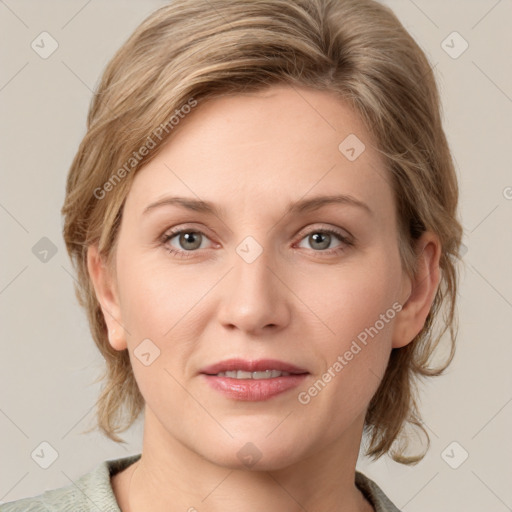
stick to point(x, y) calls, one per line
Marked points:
point(357, 49)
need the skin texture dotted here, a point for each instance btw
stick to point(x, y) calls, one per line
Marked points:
point(252, 155)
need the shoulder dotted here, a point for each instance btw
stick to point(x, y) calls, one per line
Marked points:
point(33, 504)
point(92, 491)
point(374, 494)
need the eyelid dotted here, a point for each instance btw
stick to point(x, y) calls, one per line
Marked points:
point(186, 227)
point(342, 233)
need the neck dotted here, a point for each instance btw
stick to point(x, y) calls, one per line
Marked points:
point(178, 479)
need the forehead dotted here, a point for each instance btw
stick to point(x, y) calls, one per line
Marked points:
point(263, 149)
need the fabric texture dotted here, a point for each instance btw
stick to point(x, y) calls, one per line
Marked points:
point(92, 492)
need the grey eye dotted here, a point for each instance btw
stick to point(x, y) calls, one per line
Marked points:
point(187, 240)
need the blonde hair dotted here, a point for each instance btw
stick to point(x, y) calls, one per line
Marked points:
point(357, 49)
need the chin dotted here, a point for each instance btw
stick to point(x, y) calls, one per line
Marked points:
point(256, 452)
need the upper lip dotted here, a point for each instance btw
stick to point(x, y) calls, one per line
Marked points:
point(259, 365)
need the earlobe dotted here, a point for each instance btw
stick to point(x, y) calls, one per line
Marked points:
point(423, 287)
point(107, 296)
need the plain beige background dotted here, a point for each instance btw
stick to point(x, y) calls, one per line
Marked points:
point(48, 359)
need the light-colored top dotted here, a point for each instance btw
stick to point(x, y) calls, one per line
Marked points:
point(92, 492)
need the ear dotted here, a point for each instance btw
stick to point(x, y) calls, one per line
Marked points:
point(421, 292)
point(108, 297)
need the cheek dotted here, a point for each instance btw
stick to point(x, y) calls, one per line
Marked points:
point(359, 305)
point(351, 299)
point(157, 306)
point(155, 301)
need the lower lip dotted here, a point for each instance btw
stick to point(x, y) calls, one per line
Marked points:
point(254, 390)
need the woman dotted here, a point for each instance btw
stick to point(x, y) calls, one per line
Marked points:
point(263, 220)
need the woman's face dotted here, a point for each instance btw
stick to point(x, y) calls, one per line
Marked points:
point(261, 278)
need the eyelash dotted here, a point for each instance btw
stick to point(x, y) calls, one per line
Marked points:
point(190, 254)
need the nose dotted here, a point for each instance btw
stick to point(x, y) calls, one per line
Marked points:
point(254, 296)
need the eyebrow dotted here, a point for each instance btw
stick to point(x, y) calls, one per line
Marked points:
point(294, 208)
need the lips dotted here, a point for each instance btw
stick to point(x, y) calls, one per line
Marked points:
point(253, 381)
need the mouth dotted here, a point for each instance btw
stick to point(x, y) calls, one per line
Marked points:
point(240, 374)
point(259, 380)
